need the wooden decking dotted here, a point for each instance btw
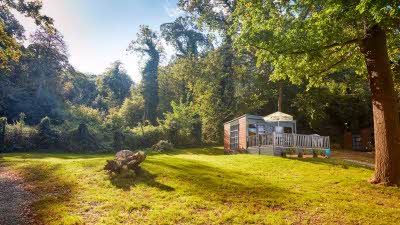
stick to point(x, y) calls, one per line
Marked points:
point(298, 141)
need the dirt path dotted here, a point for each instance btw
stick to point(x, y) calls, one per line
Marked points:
point(14, 200)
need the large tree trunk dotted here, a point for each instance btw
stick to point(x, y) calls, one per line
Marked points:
point(280, 96)
point(386, 118)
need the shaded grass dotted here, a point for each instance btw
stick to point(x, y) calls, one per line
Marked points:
point(203, 186)
point(368, 157)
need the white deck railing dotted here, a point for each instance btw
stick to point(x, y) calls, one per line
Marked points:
point(289, 140)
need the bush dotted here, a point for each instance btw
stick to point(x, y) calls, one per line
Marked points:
point(47, 137)
point(19, 137)
point(143, 136)
point(291, 151)
point(319, 152)
point(183, 124)
point(92, 118)
point(307, 151)
point(3, 122)
point(85, 114)
point(163, 146)
point(81, 140)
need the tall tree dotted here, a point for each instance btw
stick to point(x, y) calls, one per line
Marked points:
point(307, 40)
point(115, 84)
point(11, 30)
point(184, 36)
point(148, 44)
point(214, 15)
point(49, 57)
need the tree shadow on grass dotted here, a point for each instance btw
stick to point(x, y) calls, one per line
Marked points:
point(51, 191)
point(190, 151)
point(127, 180)
point(30, 155)
point(217, 184)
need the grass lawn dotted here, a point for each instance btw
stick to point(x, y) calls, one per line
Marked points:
point(368, 157)
point(203, 186)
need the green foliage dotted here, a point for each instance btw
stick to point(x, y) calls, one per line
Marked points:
point(11, 51)
point(162, 146)
point(183, 124)
point(10, 29)
point(82, 140)
point(3, 123)
point(147, 43)
point(208, 81)
point(118, 140)
point(129, 115)
point(92, 118)
point(291, 151)
point(85, 114)
point(17, 139)
point(184, 36)
point(308, 40)
point(32, 85)
point(114, 86)
point(47, 137)
point(319, 152)
point(132, 109)
point(143, 136)
point(79, 88)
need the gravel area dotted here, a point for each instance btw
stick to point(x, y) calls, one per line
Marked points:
point(14, 200)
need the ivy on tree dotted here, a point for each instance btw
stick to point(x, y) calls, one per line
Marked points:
point(147, 44)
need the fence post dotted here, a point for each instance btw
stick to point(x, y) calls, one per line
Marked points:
point(273, 142)
point(294, 140)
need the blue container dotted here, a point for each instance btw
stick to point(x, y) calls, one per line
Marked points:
point(327, 152)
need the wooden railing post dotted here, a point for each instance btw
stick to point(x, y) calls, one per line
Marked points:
point(273, 141)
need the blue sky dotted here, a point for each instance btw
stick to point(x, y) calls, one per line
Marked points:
point(98, 32)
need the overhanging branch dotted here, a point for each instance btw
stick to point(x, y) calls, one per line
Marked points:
point(352, 41)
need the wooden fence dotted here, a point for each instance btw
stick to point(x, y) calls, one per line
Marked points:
point(289, 140)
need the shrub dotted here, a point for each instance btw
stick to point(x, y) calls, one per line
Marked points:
point(85, 114)
point(131, 112)
point(47, 137)
point(144, 136)
point(291, 151)
point(183, 124)
point(319, 152)
point(307, 151)
point(92, 118)
point(19, 137)
point(118, 140)
point(3, 122)
point(114, 120)
point(163, 146)
point(81, 140)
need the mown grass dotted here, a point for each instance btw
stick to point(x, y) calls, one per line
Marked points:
point(203, 186)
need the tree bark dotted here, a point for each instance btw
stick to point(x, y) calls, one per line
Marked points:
point(280, 96)
point(384, 104)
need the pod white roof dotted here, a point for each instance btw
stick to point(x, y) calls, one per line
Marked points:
point(278, 116)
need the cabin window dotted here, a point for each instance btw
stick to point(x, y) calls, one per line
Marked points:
point(252, 130)
point(234, 136)
point(261, 129)
point(287, 130)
